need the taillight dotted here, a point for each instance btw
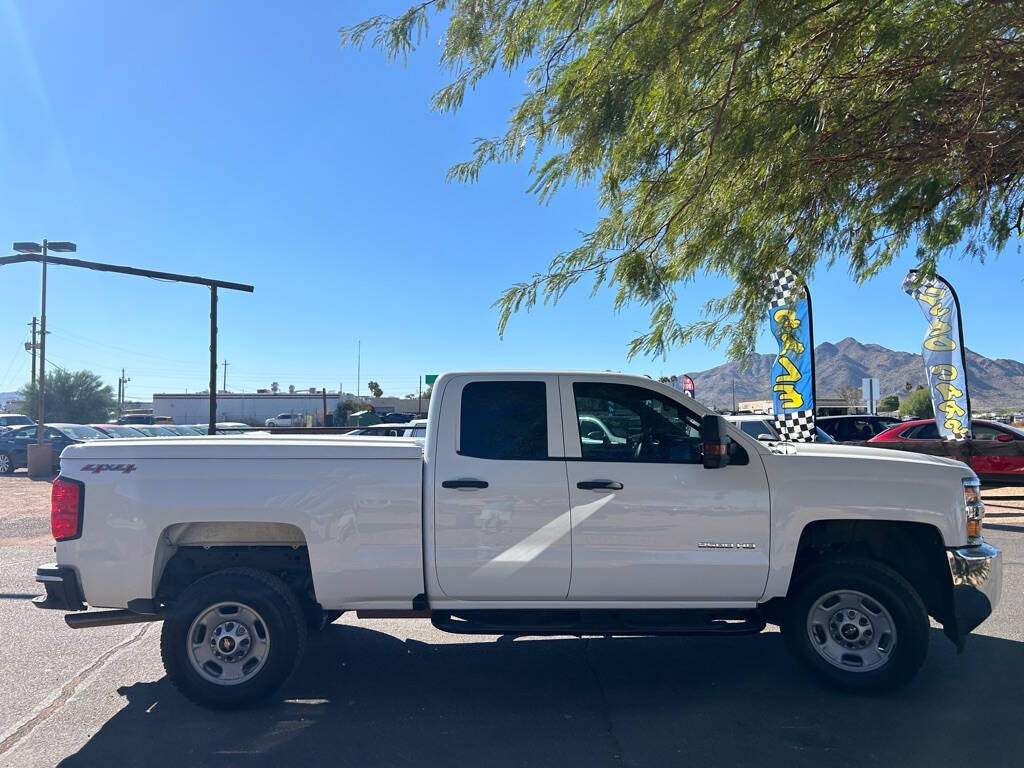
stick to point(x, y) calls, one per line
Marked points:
point(67, 500)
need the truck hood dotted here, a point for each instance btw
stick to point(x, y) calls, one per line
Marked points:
point(842, 451)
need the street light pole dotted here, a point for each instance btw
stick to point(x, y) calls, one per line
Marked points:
point(211, 428)
point(40, 455)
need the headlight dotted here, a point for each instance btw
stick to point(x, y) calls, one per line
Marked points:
point(975, 508)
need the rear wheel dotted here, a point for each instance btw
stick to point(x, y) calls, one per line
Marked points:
point(232, 638)
point(857, 624)
point(6, 464)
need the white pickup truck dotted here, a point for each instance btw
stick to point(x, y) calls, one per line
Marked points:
point(505, 520)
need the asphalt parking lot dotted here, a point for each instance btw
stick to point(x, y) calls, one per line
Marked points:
point(399, 693)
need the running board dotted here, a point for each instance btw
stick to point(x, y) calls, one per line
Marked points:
point(599, 622)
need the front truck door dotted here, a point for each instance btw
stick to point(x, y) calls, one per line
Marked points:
point(501, 499)
point(649, 522)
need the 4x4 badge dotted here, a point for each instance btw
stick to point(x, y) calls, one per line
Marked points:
point(97, 468)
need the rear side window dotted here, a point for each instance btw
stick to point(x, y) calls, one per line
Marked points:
point(830, 427)
point(922, 432)
point(504, 420)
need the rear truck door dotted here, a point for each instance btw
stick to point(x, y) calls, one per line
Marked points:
point(501, 500)
point(649, 522)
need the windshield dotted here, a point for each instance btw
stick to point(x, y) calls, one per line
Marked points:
point(82, 432)
point(11, 421)
point(1017, 431)
point(154, 431)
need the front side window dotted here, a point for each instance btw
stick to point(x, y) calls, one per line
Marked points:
point(622, 422)
point(985, 432)
point(857, 429)
point(504, 420)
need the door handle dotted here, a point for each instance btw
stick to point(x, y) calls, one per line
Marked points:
point(599, 485)
point(464, 483)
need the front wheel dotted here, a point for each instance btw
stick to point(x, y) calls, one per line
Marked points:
point(857, 624)
point(6, 464)
point(232, 638)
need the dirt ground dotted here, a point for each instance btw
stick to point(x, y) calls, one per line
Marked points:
point(24, 511)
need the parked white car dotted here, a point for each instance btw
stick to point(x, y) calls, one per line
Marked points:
point(286, 420)
point(761, 427)
point(508, 520)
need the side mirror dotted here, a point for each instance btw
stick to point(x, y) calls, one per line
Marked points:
point(714, 434)
point(596, 434)
point(765, 437)
point(1004, 438)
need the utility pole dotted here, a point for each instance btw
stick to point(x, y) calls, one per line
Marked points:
point(225, 387)
point(359, 369)
point(419, 398)
point(324, 392)
point(734, 395)
point(34, 323)
point(120, 392)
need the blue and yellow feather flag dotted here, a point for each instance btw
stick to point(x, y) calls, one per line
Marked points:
point(793, 395)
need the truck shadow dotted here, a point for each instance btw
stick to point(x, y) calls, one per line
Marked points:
point(366, 698)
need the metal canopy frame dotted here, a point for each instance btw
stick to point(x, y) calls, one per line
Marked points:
point(212, 284)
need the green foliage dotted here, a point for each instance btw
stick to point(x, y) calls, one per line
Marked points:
point(374, 388)
point(852, 395)
point(727, 137)
point(889, 403)
point(78, 397)
point(918, 405)
point(342, 411)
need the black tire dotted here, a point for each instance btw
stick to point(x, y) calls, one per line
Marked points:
point(885, 588)
point(317, 619)
point(279, 616)
point(6, 463)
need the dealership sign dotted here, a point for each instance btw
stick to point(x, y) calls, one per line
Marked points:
point(945, 359)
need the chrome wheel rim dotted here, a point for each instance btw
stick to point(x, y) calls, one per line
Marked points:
point(852, 631)
point(228, 643)
point(5, 463)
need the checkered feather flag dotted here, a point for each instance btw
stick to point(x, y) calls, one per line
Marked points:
point(796, 426)
point(781, 287)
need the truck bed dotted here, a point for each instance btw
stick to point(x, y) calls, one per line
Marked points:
point(355, 503)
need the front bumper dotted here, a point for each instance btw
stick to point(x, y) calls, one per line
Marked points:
point(63, 591)
point(977, 573)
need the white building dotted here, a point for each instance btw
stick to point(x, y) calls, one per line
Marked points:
point(256, 407)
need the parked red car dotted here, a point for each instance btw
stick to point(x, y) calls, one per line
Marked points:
point(996, 451)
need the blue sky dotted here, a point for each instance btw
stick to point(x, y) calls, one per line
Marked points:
point(236, 140)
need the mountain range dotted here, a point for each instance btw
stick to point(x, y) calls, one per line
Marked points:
point(993, 383)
